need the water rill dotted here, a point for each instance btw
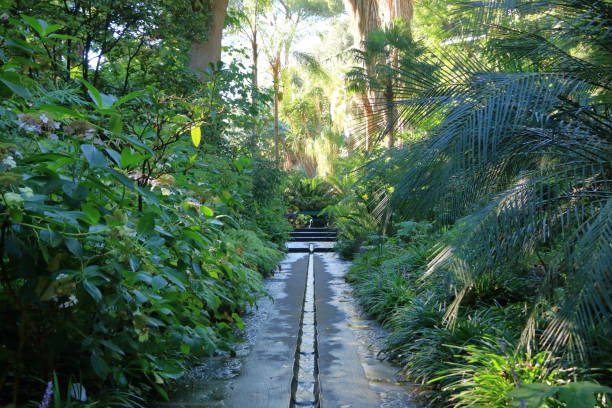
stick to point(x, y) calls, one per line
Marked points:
point(305, 385)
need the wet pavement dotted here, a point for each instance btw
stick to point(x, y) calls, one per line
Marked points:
point(287, 361)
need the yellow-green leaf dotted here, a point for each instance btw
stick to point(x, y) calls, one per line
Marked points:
point(196, 135)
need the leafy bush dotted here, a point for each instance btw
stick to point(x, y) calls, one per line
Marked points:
point(123, 255)
point(309, 194)
point(258, 254)
point(579, 394)
point(488, 371)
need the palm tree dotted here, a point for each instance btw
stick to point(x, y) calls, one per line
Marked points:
point(517, 155)
point(376, 76)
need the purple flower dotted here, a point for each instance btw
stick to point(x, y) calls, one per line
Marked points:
point(46, 400)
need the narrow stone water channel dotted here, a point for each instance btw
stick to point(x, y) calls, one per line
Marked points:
point(305, 387)
point(306, 346)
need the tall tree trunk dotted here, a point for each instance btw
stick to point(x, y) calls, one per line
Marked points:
point(368, 16)
point(369, 118)
point(255, 56)
point(254, 80)
point(209, 51)
point(389, 113)
point(275, 81)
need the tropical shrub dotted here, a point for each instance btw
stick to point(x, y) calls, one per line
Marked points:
point(309, 194)
point(511, 165)
point(119, 253)
point(490, 370)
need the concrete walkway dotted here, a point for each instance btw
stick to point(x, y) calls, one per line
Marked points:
point(267, 373)
point(348, 376)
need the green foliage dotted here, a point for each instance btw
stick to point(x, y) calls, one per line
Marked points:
point(502, 161)
point(580, 394)
point(309, 194)
point(460, 361)
point(302, 220)
point(125, 250)
point(511, 167)
point(258, 254)
point(489, 371)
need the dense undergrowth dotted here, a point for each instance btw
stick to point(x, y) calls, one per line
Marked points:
point(133, 233)
point(478, 359)
point(485, 237)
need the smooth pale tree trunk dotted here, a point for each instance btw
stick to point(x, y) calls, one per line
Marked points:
point(255, 56)
point(209, 51)
point(275, 67)
point(368, 16)
point(254, 75)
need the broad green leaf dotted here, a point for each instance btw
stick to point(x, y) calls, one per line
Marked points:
point(207, 211)
point(99, 365)
point(130, 158)
point(531, 395)
point(122, 178)
point(94, 157)
point(114, 155)
point(196, 135)
point(146, 224)
point(116, 124)
point(93, 215)
point(22, 45)
point(74, 246)
point(127, 98)
point(108, 100)
point(93, 291)
point(171, 370)
point(581, 394)
point(64, 37)
point(197, 237)
point(35, 24)
point(144, 277)
point(136, 143)
point(13, 82)
point(158, 282)
point(94, 94)
point(238, 321)
point(161, 392)
point(170, 275)
point(16, 214)
point(133, 261)
point(58, 110)
point(51, 28)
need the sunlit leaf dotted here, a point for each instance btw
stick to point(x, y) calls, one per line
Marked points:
point(196, 135)
point(207, 211)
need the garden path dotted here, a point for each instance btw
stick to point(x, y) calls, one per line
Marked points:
point(306, 346)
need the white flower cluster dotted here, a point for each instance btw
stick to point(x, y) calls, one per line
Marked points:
point(9, 162)
point(72, 300)
point(14, 199)
point(38, 124)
